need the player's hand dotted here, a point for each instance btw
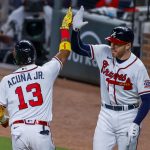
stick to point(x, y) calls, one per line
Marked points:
point(78, 19)
point(133, 133)
point(5, 121)
point(67, 21)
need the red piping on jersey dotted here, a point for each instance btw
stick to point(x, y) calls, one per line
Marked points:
point(25, 70)
point(143, 92)
point(118, 73)
point(92, 52)
point(59, 61)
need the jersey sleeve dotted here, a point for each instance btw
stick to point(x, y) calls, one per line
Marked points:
point(53, 67)
point(143, 81)
point(98, 51)
point(3, 99)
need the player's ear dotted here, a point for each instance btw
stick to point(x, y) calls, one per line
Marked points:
point(128, 46)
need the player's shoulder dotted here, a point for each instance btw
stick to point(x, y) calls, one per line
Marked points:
point(101, 48)
point(6, 78)
point(138, 63)
point(54, 63)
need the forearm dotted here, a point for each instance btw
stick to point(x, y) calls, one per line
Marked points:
point(65, 45)
point(143, 110)
point(78, 46)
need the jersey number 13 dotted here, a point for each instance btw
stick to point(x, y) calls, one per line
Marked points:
point(37, 93)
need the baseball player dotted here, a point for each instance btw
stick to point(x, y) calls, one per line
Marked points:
point(27, 93)
point(125, 87)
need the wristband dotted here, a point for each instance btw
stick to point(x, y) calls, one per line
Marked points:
point(65, 34)
point(65, 45)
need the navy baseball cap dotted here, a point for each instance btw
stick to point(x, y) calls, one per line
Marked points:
point(121, 35)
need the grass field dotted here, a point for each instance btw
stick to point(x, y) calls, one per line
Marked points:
point(5, 144)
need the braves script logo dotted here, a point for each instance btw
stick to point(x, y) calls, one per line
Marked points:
point(113, 77)
point(147, 84)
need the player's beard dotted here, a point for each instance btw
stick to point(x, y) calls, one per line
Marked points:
point(119, 53)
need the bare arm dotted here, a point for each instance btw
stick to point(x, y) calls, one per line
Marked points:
point(63, 55)
point(65, 45)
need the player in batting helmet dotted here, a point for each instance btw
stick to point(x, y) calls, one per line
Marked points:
point(24, 53)
point(121, 35)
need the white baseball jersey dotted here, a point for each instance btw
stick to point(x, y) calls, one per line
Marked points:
point(122, 83)
point(27, 92)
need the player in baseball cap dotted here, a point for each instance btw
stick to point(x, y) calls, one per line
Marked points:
point(124, 84)
point(121, 41)
point(121, 35)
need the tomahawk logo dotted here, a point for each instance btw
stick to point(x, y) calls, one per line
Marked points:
point(114, 34)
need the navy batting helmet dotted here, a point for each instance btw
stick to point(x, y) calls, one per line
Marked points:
point(121, 35)
point(24, 53)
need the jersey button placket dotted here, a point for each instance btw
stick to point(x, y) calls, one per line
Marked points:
point(116, 68)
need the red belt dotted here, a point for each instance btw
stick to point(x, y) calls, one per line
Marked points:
point(32, 122)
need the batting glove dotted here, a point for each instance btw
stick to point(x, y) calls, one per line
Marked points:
point(5, 121)
point(67, 21)
point(133, 133)
point(78, 19)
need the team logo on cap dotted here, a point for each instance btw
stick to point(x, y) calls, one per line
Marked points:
point(114, 34)
point(147, 84)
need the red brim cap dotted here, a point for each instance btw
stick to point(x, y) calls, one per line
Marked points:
point(115, 40)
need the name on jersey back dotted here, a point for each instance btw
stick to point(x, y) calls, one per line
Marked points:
point(23, 77)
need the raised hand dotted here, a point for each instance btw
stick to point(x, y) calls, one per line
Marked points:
point(78, 19)
point(67, 21)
